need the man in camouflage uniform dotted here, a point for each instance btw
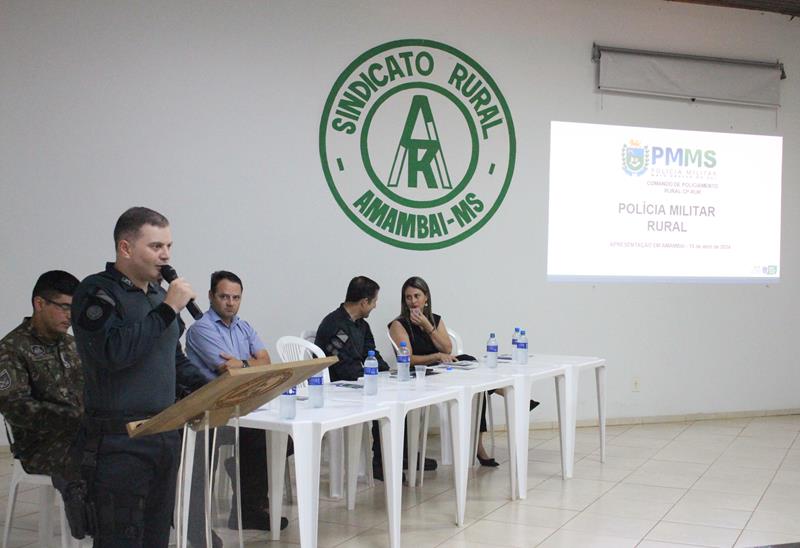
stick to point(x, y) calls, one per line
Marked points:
point(41, 381)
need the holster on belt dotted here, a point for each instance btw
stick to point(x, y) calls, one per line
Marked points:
point(79, 496)
point(79, 509)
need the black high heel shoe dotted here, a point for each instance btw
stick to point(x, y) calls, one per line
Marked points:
point(490, 462)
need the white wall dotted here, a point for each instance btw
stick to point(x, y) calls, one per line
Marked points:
point(209, 112)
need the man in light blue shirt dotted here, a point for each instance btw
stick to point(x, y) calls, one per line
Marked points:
point(221, 339)
point(218, 341)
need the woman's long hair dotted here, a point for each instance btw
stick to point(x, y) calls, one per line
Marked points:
point(417, 283)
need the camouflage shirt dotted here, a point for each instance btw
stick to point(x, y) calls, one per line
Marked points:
point(41, 397)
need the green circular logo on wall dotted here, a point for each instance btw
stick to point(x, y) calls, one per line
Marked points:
point(417, 144)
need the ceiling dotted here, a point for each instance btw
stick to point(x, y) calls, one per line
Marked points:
point(787, 7)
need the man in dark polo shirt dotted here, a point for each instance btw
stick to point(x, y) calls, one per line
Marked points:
point(346, 334)
point(127, 329)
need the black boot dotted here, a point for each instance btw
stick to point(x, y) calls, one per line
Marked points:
point(258, 521)
point(251, 519)
point(430, 464)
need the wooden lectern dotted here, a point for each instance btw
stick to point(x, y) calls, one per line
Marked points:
point(233, 394)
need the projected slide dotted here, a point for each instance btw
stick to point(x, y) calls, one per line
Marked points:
point(662, 205)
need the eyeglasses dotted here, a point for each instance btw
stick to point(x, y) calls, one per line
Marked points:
point(65, 307)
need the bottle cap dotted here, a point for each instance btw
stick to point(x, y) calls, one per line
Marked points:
point(521, 331)
point(371, 354)
point(491, 335)
point(402, 343)
point(516, 329)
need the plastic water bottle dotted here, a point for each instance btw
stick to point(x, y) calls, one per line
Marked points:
point(316, 394)
point(522, 347)
point(403, 363)
point(514, 353)
point(370, 374)
point(491, 352)
point(288, 404)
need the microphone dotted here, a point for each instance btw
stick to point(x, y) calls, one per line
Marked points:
point(169, 274)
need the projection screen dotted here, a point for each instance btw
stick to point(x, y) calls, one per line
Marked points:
point(663, 205)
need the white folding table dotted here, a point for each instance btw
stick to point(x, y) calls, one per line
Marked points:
point(469, 384)
point(564, 370)
point(409, 399)
point(307, 430)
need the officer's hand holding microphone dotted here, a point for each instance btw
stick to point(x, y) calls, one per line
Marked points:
point(179, 293)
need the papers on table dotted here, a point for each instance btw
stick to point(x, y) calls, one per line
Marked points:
point(460, 365)
point(464, 364)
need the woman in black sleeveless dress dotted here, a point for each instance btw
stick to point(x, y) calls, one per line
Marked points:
point(422, 330)
point(426, 336)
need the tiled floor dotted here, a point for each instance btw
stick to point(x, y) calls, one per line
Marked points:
point(704, 483)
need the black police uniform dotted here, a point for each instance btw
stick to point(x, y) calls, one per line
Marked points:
point(351, 340)
point(134, 366)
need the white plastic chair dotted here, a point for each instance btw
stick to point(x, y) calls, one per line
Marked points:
point(365, 468)
point(457, 342)
point(299, 348)
point(292, 349)
point(47, 496)
point(394, 344)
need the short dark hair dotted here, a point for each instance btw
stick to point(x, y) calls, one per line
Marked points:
point(220, 275)
point(361, 287)
point(54, 283)
point(135, 218)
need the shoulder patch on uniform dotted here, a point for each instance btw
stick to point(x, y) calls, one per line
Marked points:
point(95, 311)
point(5, 380)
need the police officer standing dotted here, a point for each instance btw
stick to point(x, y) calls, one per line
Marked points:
point(127, 331)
